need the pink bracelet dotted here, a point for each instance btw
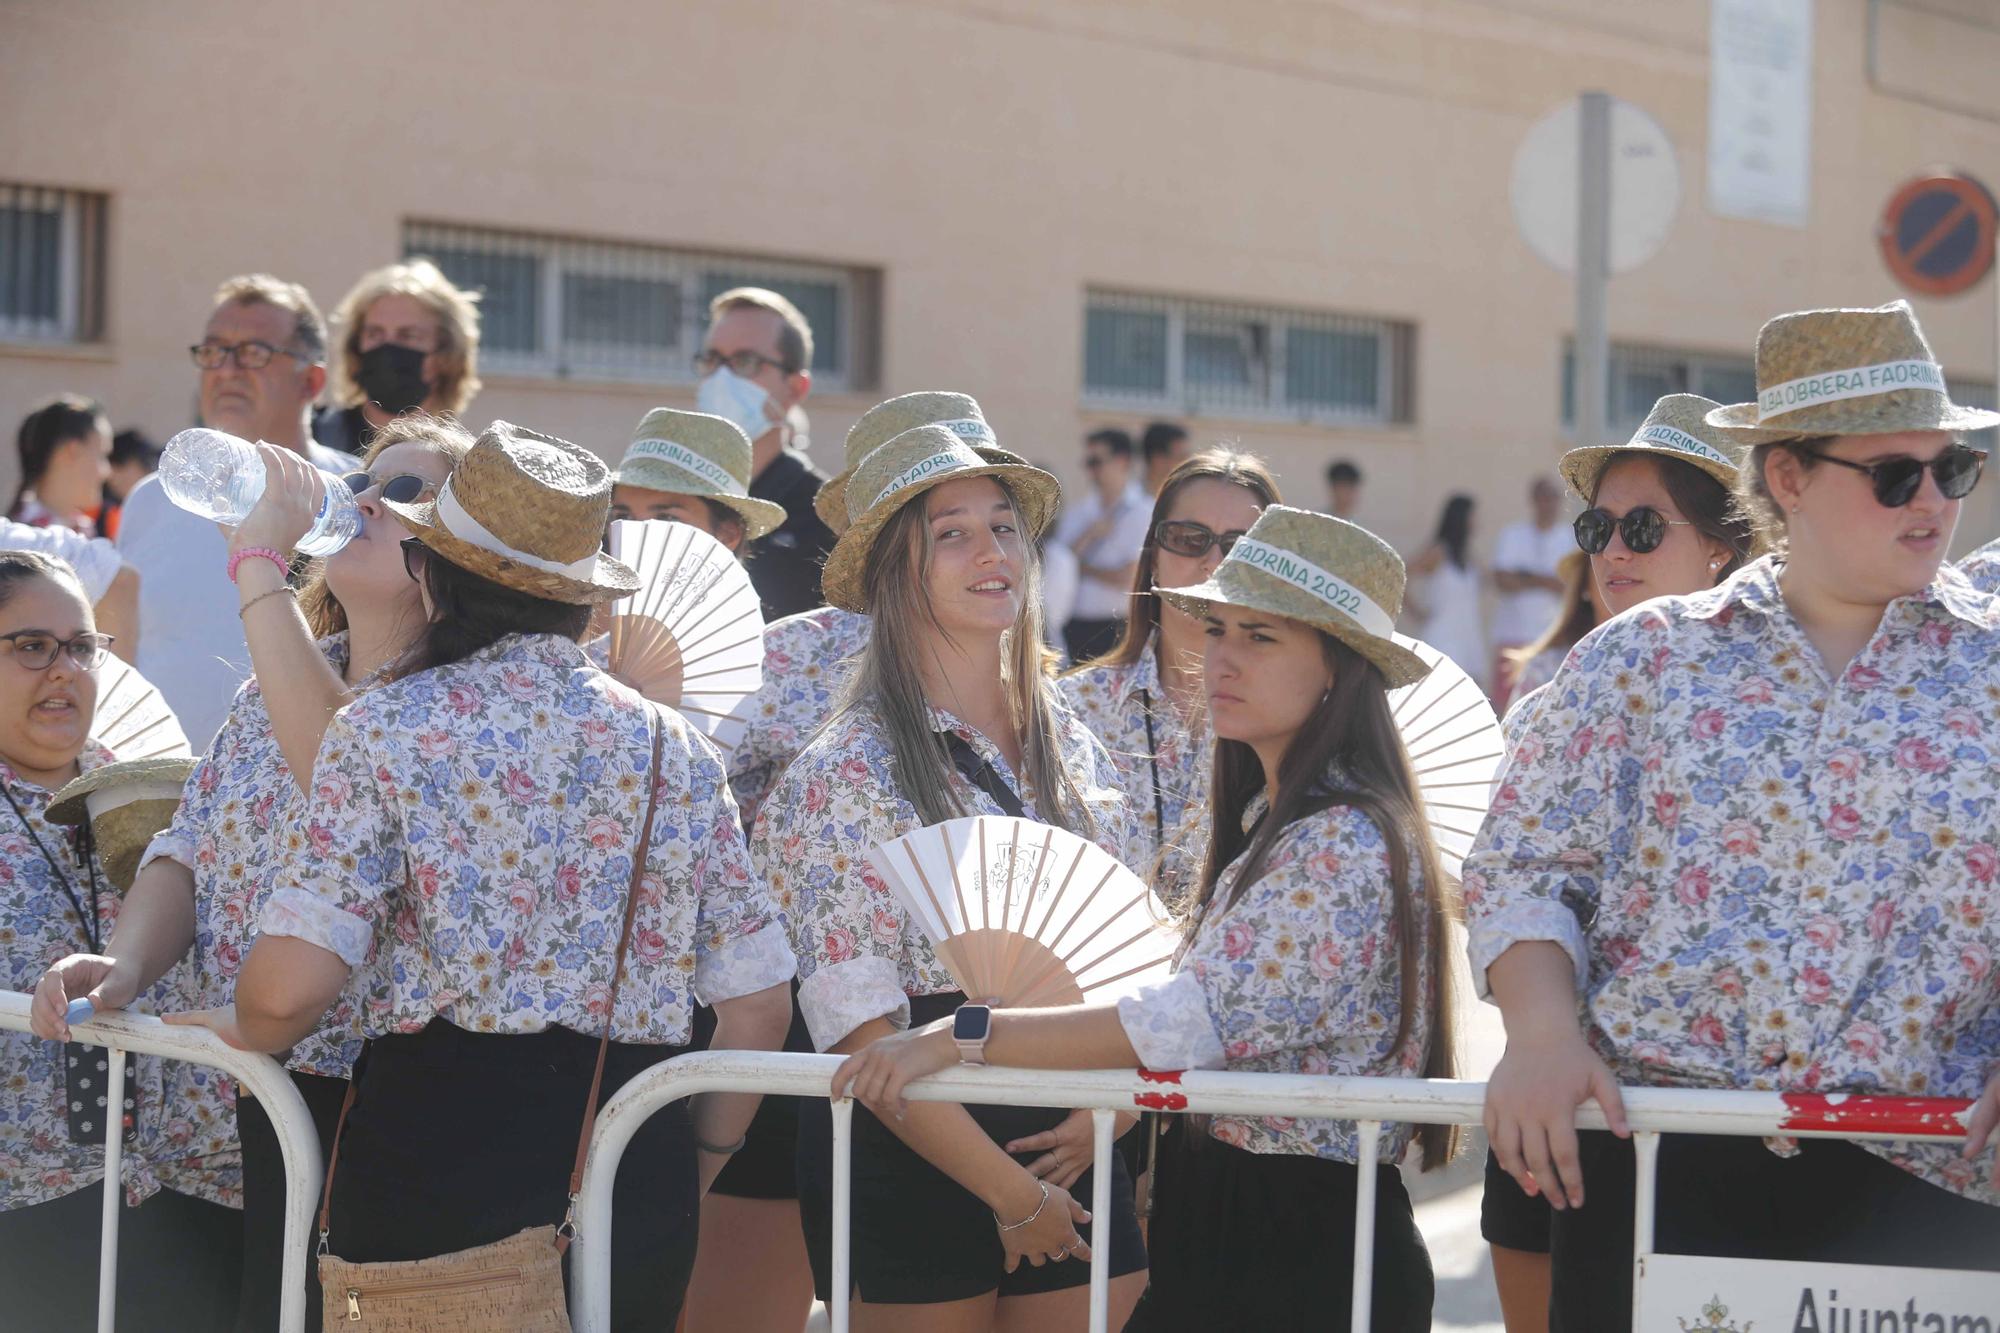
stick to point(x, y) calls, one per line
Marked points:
point(259, 553)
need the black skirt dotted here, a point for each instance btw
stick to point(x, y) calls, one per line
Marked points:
point(1266, 1241)
point(919, 1237)
point(264, 1202)
point(1732, 1197)
point(459, 1139)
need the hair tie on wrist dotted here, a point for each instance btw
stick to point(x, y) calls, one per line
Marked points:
point(259, 553)
point(727, 1150)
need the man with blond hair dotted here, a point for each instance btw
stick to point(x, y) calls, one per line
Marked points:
point(408, 341)
point(756, 368)
point(262, 360)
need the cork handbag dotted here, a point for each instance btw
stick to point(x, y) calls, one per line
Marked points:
point(508, 1286)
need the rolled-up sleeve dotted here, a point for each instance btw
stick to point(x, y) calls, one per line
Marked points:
point(1169, 1025)
point(740, 942)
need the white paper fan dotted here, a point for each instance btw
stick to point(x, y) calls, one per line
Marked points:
point(1455, 746)
point(692, 637)
point(1026, 913)
point(132, 719)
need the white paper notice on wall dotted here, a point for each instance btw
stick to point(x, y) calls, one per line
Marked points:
point(1682, 1293)
point(1760, 110)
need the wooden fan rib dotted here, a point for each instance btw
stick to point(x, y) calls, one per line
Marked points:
point(1164, 960)
point(1411, 737)
point(1413, 711)
point(719, 606)
point(690, 659)
point(1441, 746)
point(1054, 946)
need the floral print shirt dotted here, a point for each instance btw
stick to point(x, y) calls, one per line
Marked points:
point(1165, 781)
point(860, 957)
point(39, 927)
point(1792, 876)
point(1302, 975)
point(1982, 568)
point(472, 827)
point(807, 660)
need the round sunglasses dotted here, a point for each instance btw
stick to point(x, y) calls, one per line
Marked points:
point(1185, 537)
point(1897, 480)
point(1643, 529)
point(403, 488)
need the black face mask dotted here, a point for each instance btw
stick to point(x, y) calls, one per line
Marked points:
point(392, 377)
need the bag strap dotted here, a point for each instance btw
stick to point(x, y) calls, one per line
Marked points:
point(639, 851)
point(980, 774)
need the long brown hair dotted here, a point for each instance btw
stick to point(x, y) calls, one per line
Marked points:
point(1349, 752)
point(889, 677)
point(1223, 464)
point(1577, 618)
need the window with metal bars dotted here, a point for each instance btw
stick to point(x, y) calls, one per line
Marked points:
point(51, 264)
point(1641, 376)
point(1214, 358)
point(558, 306)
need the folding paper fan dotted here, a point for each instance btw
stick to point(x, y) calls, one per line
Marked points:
point(1455, 747)
point(1028, 914)
point(133, 720)
point(692, 637)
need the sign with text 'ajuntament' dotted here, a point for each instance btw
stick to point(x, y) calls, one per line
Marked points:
point(1682, 1293)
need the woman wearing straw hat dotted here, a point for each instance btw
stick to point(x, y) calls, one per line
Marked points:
point(180, 1249)
point(205, 878)
point(949, 703)
point(1143, 699)
point(689, 467)
point(472, 838)
point(1805, 852)
point(1315, 946)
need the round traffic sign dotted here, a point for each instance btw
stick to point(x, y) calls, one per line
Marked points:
point(1645, 186)
point(1937, 233)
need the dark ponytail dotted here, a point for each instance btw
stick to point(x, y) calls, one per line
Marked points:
point(64, 418)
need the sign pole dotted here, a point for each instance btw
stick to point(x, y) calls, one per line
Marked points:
point(1593, 266)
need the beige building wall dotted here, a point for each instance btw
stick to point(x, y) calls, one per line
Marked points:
point(993, 159)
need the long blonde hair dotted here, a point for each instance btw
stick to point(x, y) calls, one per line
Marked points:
point(457, 314)
point(889, 678)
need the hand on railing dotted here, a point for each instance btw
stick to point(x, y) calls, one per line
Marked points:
point(876, 1075)
point(1065, 1150)
point(222, 1022)
point(1979, 1126)
point(90, 976)
point(1531, 1104)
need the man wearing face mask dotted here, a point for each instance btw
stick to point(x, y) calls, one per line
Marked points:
point(409, 339)
point(756, 368)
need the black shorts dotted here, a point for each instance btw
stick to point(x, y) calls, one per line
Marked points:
point(1734, 1198)
point(264, 1202)
point(1509, 1216)
point(1265, 1241)
point(765, 1167)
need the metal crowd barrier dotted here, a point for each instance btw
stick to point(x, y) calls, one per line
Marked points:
point(259, 1075)
point(1368, 1101)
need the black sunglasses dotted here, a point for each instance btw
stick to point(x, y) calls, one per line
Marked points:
point(1184, 536)
point(414, 552)
point(1897, 480)
point(1643, 529)
point(403, 488)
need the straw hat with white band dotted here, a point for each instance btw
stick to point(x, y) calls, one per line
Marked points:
point(693, 453)
point(904, 469)
point(1846, 372)
point(1322, 571)
point(526, 511)
point(127, 804)
point(956, 412)
point(1677, 427)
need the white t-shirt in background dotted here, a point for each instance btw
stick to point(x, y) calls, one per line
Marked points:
point(1520, 617)
point(94, 559)
point(1134, 508)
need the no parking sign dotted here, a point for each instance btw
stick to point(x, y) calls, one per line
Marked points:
point(1937, 233)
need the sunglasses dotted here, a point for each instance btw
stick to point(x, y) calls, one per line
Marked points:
point(36, 649)
point(414, 552)
point(1186, 537)
point(1897, 480)
point(403, 488)
point(1643, 529)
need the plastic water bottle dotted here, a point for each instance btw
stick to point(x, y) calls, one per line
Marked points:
point(216, 475)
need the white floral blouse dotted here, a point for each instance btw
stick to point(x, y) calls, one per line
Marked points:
point(860, 957)
point(1302, 975)
point(1792, 877)
point(1164, 768)
point(473, 826)
point(39, 926)
point(1982, 568)
point(807, 660)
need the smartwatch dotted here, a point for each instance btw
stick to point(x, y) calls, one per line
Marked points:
point(970, 1027)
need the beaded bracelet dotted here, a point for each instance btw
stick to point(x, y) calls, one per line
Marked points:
point(1016, 1226)
point(259, 553)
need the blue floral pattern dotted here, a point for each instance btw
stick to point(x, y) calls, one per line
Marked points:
point(807, 660)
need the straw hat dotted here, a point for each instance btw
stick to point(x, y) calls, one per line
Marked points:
point(693, 453)
point(956, 412)
point(127, 803)
point(526, 511)
point(1846, 372)
point(1677, 427)
point(1322, 571)
point(903, 469)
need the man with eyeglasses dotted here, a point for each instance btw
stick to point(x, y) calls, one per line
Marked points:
point(262, 361)
point(1104, 529)
point(756, 368)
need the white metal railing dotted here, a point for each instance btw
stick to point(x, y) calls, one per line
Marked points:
point(1368, 1101)
point(260, 1075)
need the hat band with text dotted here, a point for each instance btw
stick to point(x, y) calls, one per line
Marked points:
point(687, 460)
point(1309, 578)
point(972, 429)
point(451, 514)
point(1835, 385)
point(1669, 438)
point(936, 465)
